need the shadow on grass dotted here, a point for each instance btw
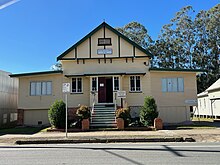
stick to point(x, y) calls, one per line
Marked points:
point(21, 130)
point(194, 125)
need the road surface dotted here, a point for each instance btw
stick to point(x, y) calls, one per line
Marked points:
point(117, 153)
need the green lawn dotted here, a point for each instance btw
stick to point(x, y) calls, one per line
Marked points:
point(195, 126)
point(197, 123)
point(202, 119)
point(21, 130)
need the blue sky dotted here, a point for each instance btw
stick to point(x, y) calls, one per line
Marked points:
point(34, 32)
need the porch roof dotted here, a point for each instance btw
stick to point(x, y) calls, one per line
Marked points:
point(105, 73)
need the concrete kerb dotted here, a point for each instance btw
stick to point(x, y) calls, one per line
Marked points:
point(198, 135)
point(96, 140)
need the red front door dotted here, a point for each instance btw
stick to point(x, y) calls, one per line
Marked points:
point(105, 90)
point(102, 89)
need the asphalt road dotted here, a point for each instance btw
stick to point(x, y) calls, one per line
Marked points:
point(121, 153)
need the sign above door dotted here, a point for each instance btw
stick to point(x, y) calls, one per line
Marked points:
point(104, 51)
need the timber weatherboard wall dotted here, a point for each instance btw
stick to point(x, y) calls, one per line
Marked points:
point(26, 101)
point(171, 105)
point(36, 107)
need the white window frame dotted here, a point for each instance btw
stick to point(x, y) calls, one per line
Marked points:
point(40, 92)
point(179, 88)
point(96, 84)
point(77, 85)
point(113, 79)
point(135, 85)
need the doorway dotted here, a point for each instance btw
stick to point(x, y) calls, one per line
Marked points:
point(105, 90)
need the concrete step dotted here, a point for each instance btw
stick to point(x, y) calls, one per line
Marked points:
point(104, 109)
point(97, 110)
point(103, 117)
point(103, 105)
point(103, 126)
point(102, 120)
point(103, 112)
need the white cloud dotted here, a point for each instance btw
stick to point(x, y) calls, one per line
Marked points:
point(6, 3)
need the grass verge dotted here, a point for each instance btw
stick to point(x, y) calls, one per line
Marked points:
point(21, 130)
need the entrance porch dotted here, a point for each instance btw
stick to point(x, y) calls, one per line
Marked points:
point(103, 90)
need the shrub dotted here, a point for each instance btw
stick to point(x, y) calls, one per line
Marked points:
point(83, 112)
point(123, 113)
point(149, 111)
point(57, 114)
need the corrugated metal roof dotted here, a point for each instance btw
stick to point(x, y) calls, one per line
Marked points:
point(214, 86)
point(205, 93)
point(36, 73)
point(105, 73)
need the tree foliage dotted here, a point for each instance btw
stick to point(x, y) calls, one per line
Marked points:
point(149, 111)
point(190, 40)
point(57, 114)
point(137, 33)
point(83, 112)
point(57, 66)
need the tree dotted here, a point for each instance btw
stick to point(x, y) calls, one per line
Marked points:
point(57, 114)
point(57, 66)
point(137, 33)
point(207, 46)
point(174, 48)
point(149, 111)
point(190, 40)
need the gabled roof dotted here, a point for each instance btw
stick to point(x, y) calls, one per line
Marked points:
point(214, 86)
point(104, 24)
point(203, 94)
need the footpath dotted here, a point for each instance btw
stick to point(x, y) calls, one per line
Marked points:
point(185, 135)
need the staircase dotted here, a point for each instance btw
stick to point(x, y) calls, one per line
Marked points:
point(103, 116)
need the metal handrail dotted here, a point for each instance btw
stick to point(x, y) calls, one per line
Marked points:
point(93, 103)
point(115, 104)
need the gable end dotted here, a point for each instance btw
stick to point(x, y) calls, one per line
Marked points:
point(88, 36)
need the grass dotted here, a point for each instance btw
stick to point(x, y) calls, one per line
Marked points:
point(195, 126)
point(197, 123)
point(202, 119)
point(22, 130)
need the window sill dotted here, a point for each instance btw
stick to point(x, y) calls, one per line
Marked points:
point(77, 93)
point(40, 95)
point(173, 92)
point(135, 91)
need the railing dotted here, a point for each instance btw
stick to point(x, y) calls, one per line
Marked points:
point(115, 101)
point(93, 103)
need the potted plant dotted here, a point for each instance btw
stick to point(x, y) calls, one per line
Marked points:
point(122, 117)
point(84, 113)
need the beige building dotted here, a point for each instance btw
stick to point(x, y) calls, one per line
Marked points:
point(100, 66)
